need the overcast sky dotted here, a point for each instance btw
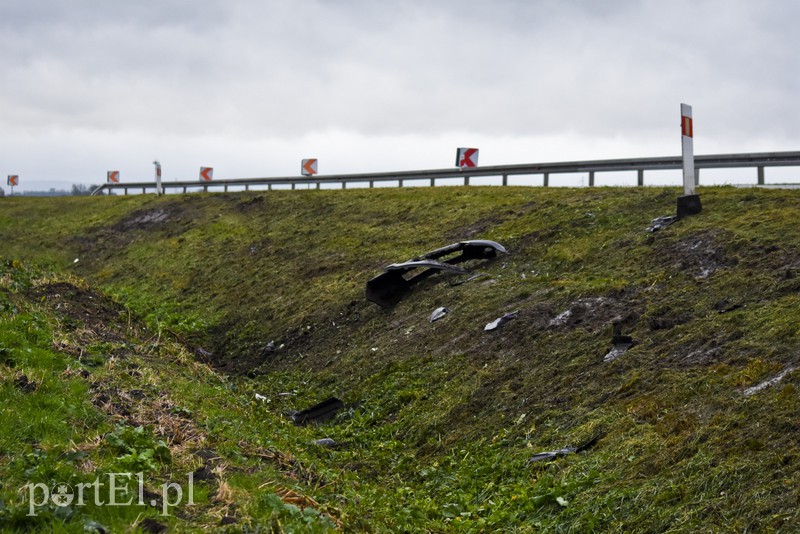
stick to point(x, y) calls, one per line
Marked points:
point(252, 87)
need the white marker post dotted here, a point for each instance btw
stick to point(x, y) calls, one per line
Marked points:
point(158, 177)
point(687, 149)
point(689, 203)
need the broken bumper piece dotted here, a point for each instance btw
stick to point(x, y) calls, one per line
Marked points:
point(389, 287)
point(324, 411)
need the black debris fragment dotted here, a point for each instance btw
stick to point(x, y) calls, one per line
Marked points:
point(151, 526)
point(325, 442)
point(324, 411)
point(725, 306)
point(500, 321)
point(620, 345)
point(269, 348)
point(389, 287)
point(25, 385)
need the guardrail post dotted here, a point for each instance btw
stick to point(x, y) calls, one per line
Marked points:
point(318, 185)
point(400, 183)
point(591, 178)
point(247, 187)
point(371, 184)
point(344, 184)
point(226, 188)
point(205, 189)
point(184, 189)
point(269, 187)
point(294, 186)
point(505, 179)
point(696, 177)
point(760, 175)
point(144, 190)
point(546, 179)
point(126, 190)
point(433, 182)
point(640, 177)
point(466, 180)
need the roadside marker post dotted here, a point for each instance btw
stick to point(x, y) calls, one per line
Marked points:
point(689, 203)
point(308, 167)
point(206, 174)
point(158, 177)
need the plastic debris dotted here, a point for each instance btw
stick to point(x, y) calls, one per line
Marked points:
point(551, 455)
point(438, 313)
point(767, 383)
point(318, 413)
point(621, 345)
point(470, 279)
point(260, 397)
point(388, 288)
point(662, 222)
point(500, 321)
point(325, 442)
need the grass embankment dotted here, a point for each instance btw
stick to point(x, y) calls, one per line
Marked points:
point(448, 414)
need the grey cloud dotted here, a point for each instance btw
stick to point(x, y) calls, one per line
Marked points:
point(250, 69)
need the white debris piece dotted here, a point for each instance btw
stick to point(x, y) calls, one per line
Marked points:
point(438, 313)
point(767, 383)
point(500, 321)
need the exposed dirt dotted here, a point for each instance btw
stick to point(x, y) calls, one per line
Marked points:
point(700, 255)
point(169, 219)
point(81, 308)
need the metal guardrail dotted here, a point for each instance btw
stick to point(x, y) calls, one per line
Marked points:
point(719, 161)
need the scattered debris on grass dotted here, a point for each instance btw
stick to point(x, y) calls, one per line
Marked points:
point(24, 384)
point(321, 412)
point(662, 222)
point(552, 455)
point(389, 287)
point(500, 321)
point(620, 345)
point(438, 313)
point(325, 442)
point(767, 383)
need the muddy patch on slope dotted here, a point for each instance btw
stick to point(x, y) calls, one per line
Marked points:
point(78, 307)
point(699, 255)
point(169, 219)
point(597, 313)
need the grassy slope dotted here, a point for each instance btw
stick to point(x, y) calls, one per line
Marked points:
point(449, 414)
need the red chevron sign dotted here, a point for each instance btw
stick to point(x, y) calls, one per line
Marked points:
point(112, 177)
point(308, 167)
point(13, 180)
point(467, 157)
point(206, 173)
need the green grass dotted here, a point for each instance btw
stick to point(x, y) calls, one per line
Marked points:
point(448, 415)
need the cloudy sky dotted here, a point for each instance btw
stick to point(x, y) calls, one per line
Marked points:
point(251, 87)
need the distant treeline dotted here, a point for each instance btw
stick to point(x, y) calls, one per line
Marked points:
point(77, 190)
